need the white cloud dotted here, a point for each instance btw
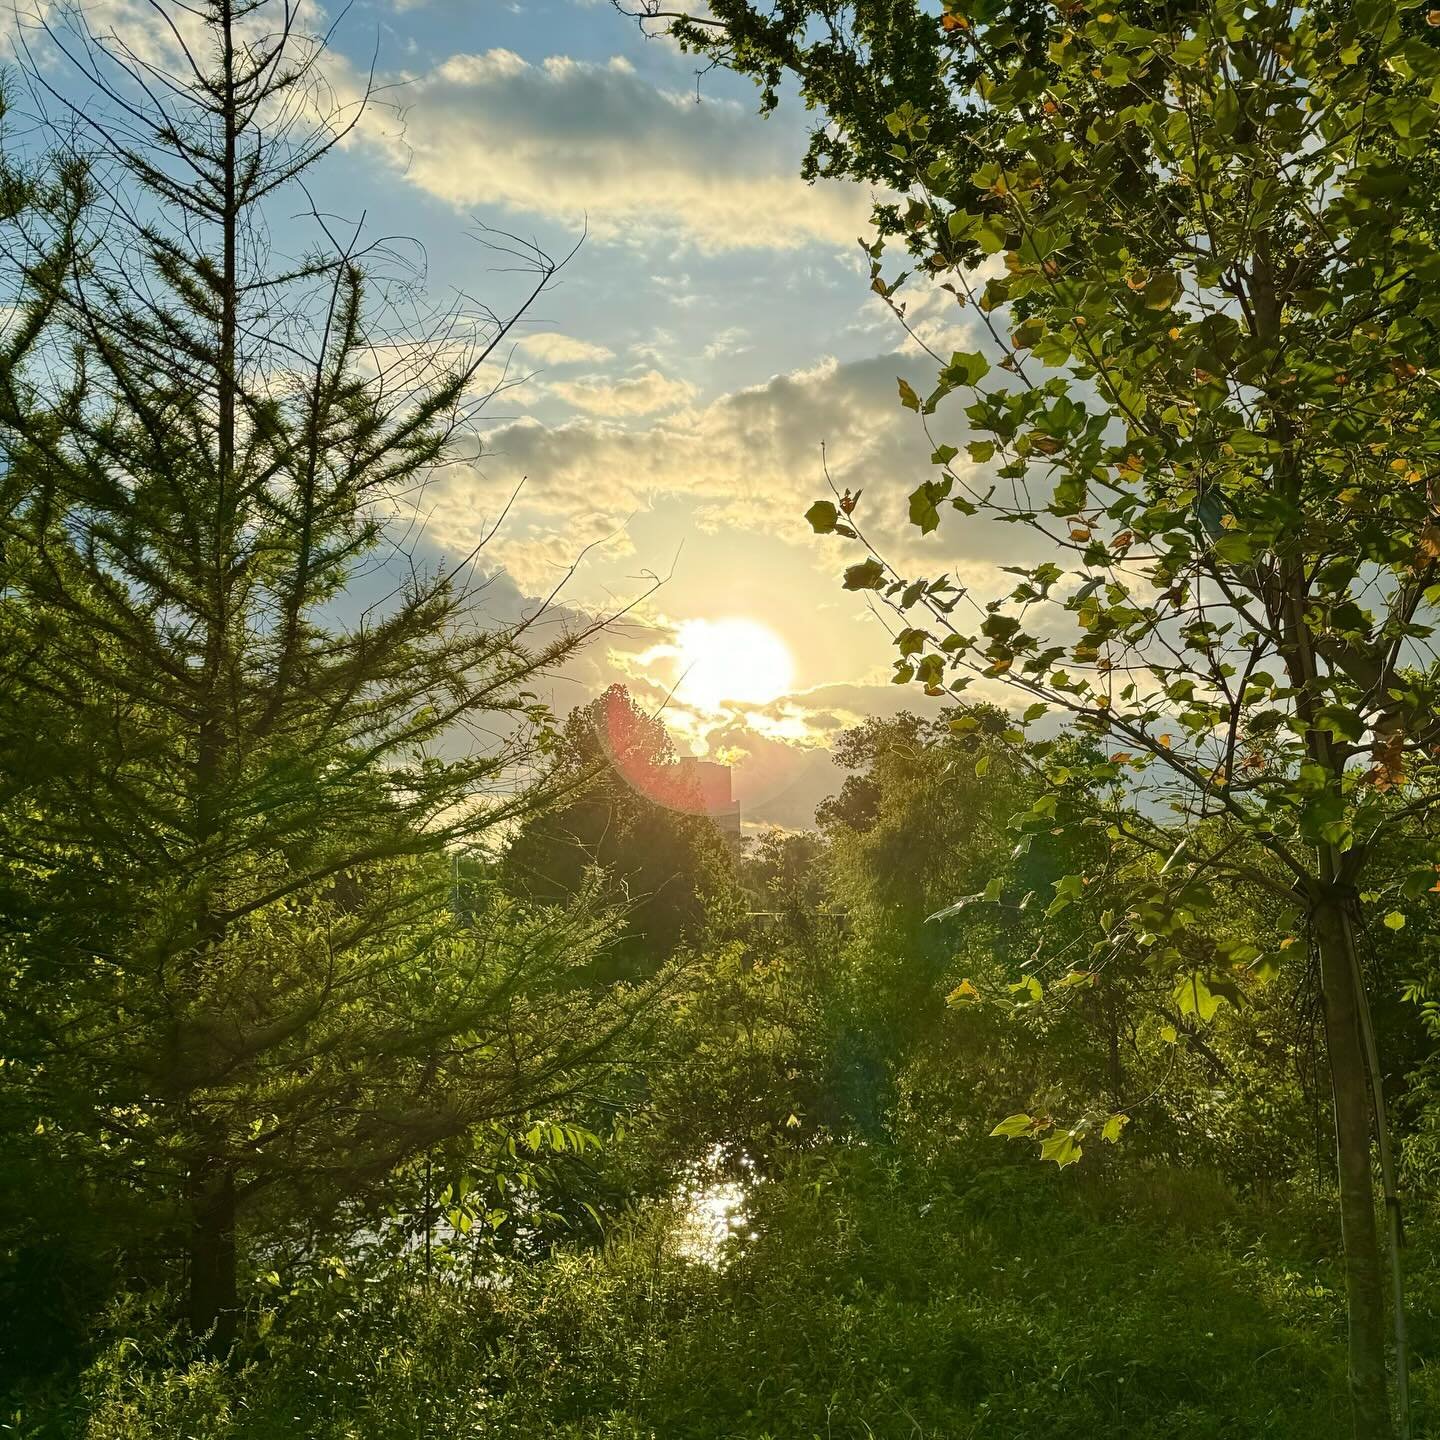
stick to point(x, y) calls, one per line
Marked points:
point(635, 395)
point(550, 348)
point(727, 342)
point(750, 460)
point(575, 139)
point(750, 457)
point(538, 557)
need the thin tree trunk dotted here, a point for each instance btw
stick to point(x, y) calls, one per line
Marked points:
point(1348, 1038)
point(1112, 1038)
point(1364, 1273)
point(213, 1300)
point(1395, 1228)
point(213, 1307)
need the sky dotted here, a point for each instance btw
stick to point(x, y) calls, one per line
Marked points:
point(666, 402)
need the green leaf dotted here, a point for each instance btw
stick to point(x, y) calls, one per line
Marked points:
point(1070, 495)
point(823, 517)
point(923, 512)
point(1394, 921)
point(908, 398)
point(1014, 1127)
point(1409, 115)
point(967, 368)
point(1113, 1126)
point(1161, 291)
point(1068, 889)
point(1236, 549)
point(982, 767)
point(1194, 997)
point(867, 575)
point(1063, 1149)
point(1030, 987)
point(991, 236)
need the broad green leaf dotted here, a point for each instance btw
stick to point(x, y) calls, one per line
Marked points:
point(923, 510)
point(1063, 1149)
point(823, 517)
point(967, 368)
point(1014, 1126)
point(867, 575)
point(1193, 996)
point(990, 236)
point(1161, 291)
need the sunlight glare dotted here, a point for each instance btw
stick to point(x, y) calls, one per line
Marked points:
point(732, 659)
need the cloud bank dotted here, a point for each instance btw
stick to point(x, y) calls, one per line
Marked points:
point(578, 140)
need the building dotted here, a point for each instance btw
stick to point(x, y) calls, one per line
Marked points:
point(710, 782)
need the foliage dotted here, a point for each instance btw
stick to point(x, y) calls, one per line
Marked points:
point(881, 1294)
point(1216, 243)
point(629, 811)
point(427, 1067)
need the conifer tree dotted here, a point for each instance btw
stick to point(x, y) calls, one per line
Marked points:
point(231, 965)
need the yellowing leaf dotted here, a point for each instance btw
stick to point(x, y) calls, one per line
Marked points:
point(964, 993)
point(1113, 1126)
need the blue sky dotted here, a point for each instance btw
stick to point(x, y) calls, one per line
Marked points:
point(713, 331)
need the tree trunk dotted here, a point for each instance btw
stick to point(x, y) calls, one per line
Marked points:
point(212, 1253)
point(213, 1299)
point(1364, 1274)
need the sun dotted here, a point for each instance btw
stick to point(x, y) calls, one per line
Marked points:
point(732, 659)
